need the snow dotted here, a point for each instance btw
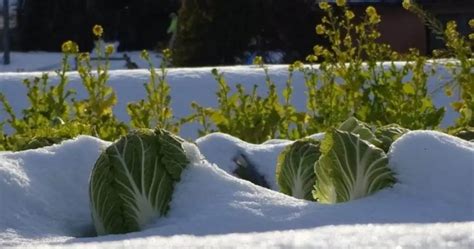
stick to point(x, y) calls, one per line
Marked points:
point(44, 199)
point(50, 61)
point(45, 202)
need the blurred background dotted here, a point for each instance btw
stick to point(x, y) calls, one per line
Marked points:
point(213, 32)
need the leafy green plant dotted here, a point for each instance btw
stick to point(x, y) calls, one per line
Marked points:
point(155, 111)
point(387, 134)
point(47, 115)
point(461, 49)
point(349, 168)
point(97, 108)
point(351, 80)
point(247, 115)
point(295, 168)
point(132, 182)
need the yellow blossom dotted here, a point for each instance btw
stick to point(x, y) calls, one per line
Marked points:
point(371, 11)
point(349, 14)
point(97, 30)
point(318, 50)
point(340, 3)
point(69, 47)
point(298, 65)
point(66, 47)
point(471, 23)
point(406, 4)
point(311, 58)
point(324, 5)
point(258, 60)
point(84, 56)
point(167, 53)
point(109, 49)
point(471, 36)
point(144, 54)
point(320, 30)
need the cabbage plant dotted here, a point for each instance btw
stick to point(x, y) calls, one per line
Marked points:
point(132, 181)
point(365, 131)
point(388, 134)
point(295, 168)
point(349, 168)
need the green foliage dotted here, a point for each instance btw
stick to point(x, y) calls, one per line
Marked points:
point(295, 168)
point(352, 81)
point(54, 115)
point(97, 108)
point(155, 111)
point(462, 50)
point(349, 168)
point(388, 134)
point(133, 180)
point(250, 117)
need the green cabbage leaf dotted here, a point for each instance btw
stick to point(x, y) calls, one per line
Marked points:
point(295, 168)
point(132, 181)
point(349, 168)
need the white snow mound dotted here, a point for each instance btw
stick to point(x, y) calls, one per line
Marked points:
point(44, 201)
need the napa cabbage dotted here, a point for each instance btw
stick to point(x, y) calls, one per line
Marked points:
point(132, 181)
point(295, 168)
point(349, 168)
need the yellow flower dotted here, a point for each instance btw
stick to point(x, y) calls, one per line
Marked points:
point(144, 54)
point(75, 48)
point(471, 23)
point(340, 3)
point(167, 53)
point(394, 56)
point(97, 30)
point(320, 30)
point(349, 14)
point(311, 58)
point(84, 56)
point(371, 11)
point(66, 47)
point(258, 60)
point(298, 65)
point(318, 50)
point(69, 47)
point(471, 36)
point(324, 5)
point(109, 49)
point(406, 4)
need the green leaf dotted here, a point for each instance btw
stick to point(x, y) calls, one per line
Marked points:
point(388, 134)
point(295, 168)
point(349, 168)
point(133, 180)
point(360, 128)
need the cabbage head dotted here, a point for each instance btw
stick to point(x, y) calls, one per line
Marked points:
point(388, 134)
point(295, 168)
point(132, 181)
point(349, 168)
point(364, 130)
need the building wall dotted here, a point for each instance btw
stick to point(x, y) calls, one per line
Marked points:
point(402, 29)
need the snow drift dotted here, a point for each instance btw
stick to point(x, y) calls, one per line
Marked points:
point(44, 201)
